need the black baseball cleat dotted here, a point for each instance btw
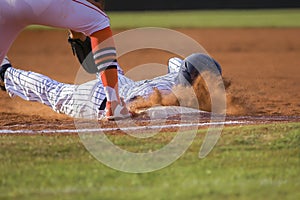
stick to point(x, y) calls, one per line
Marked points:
point(3, 67)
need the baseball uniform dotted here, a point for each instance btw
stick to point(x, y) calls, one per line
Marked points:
point(78, 15)
point(85, 100)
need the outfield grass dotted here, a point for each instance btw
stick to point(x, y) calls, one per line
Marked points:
point(217, 18)
point(205, 19)
point(250, 162)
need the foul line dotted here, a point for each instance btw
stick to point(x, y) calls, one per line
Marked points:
point(49, 131)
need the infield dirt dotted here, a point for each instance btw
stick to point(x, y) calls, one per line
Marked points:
point(261, 64)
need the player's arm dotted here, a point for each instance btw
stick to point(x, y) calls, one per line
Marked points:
point(174, 64)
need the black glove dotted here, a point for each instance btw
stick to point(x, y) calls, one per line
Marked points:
point(83, 51)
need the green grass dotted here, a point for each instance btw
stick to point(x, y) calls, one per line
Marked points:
point(205, 19)
point(250, 162)
point(197, 19)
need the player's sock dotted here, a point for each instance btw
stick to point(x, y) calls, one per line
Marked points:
point(109, 79)
point(105, 57)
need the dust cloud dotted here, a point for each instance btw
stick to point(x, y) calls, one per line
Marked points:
point(196, 96)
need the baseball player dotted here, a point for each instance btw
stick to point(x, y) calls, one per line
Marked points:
point(79, 16)
point(88, 100)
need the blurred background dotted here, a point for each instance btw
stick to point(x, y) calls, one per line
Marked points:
point(131, 5)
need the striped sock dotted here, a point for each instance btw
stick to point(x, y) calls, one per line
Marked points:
point(105, 58)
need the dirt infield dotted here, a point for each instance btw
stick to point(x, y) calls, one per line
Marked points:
point(262, 65)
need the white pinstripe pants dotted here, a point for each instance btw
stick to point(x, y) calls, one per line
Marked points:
point(81, 101)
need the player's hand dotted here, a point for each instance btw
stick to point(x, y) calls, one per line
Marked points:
point(98, 3)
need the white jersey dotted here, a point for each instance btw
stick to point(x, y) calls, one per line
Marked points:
point(85, 100)
point(77, 15)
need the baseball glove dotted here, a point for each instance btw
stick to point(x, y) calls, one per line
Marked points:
point(82, 50)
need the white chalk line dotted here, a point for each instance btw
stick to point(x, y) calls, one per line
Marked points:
point(136, 128)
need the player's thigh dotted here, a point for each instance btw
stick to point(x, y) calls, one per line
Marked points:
point(78, 15)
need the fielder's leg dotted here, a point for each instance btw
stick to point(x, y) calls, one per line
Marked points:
point(106, 62)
